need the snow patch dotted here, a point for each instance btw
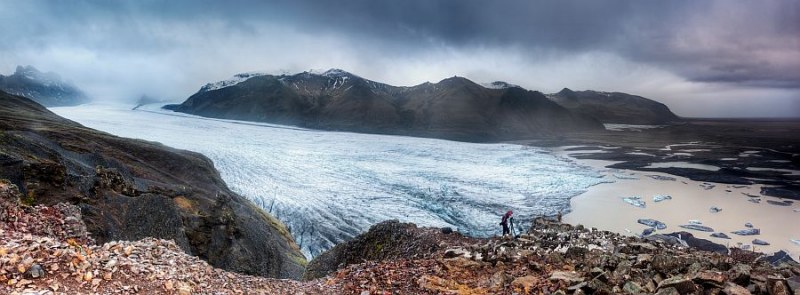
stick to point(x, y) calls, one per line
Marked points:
point(238, 78)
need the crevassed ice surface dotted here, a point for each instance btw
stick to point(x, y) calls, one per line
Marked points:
point(330, 186)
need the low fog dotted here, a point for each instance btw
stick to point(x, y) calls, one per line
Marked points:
point(703, 59)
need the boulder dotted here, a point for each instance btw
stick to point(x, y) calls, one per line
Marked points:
point(740, 274)
point(667, 264)
point(710, 278)
point(632, 288)
point(498, 280)
point(668, 291)
point(681, 284)
point(570, 277)
point(734, 289)
point(794, 284)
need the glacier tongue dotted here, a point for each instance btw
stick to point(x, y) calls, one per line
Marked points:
point(330, 186)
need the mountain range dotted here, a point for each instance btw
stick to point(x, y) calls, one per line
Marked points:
point(454, 108)
point(46, 89)
point(614, 107)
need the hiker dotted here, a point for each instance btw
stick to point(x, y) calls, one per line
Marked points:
point(506, 220)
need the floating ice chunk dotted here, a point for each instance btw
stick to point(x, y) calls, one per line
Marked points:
point(635, 201)
point(747, 232)
point(652, 223)
point(697, 227)
point(714, 209)
point(695, 221)
point(720, 236)
point(760, 242)
point(748, 225)
point(780, 203)
point(795, 241)
point(662, 178)
point(659, 198)
point(640, 154)
point(625, 176)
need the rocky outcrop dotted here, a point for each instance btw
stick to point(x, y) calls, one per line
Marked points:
point(615, 107)
point(47, 250)
point(455, 108)
point(388, 240)
point(131, 189)
point(558, 258)
point(45, 88)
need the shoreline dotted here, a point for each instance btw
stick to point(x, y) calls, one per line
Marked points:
point(602, 206)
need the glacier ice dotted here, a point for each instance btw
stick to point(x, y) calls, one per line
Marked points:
point(330, 186)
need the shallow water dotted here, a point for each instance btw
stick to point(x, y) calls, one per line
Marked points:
point(602, 207)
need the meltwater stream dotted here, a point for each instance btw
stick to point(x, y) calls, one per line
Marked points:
point(330, 186)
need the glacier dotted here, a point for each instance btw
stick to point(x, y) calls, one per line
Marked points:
point(328, 187)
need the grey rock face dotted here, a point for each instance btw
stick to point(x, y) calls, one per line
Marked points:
point(45, 88)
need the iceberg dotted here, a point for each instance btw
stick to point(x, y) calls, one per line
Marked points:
point(720, 236)
point(747, 232)
point(697, 227)
point(659, 198)
point(635, 201)
point(652, 223)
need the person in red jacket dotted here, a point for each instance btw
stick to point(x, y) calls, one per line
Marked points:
point(506, 220)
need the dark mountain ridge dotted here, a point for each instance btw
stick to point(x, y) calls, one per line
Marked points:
point(615, 107)
point(132, 189)
point(455, 108)
point(44, 88)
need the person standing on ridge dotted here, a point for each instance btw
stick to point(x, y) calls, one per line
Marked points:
point(506, 220)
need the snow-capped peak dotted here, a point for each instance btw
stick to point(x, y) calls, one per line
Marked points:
point(336, 73)
point(238, 78)
point(500, 85)
point(332, 73)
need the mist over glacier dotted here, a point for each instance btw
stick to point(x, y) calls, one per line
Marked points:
point(330, 186)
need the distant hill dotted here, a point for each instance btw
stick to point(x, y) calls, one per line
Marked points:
point(614, 107)
point(455, 108)
point(45, 88)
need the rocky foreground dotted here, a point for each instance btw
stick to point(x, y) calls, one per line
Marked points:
point(47, 250)
point(130, 189)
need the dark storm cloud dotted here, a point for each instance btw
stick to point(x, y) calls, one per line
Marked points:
point(755, 42)
point(622, 45)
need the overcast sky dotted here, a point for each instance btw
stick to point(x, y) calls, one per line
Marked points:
point(701, 58)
